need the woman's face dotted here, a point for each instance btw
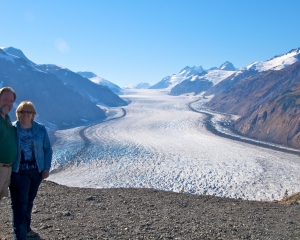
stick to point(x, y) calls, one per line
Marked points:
point(25, 116)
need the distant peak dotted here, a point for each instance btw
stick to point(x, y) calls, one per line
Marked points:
point(192, 69)
point(228, 66)
point(141, 85)
point(15, 51)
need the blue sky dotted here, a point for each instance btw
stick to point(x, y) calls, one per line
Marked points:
point(132, 41)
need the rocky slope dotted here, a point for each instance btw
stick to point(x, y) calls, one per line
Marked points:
point(62, 212)
point(268, 104)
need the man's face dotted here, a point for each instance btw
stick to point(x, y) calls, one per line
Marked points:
point(6, 102)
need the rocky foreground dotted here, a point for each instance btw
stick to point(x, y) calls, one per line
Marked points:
point(62, 212)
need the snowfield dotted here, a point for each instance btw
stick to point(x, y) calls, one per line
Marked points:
point(160, 143)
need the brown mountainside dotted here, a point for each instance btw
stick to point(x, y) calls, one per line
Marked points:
point(269, 105)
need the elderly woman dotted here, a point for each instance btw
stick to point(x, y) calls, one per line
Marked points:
point(31, 166)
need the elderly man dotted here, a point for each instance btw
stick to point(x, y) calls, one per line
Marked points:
point(8, 146)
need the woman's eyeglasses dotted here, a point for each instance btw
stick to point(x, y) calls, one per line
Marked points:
point(27, 112)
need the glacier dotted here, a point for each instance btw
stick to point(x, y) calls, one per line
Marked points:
point(161, 143)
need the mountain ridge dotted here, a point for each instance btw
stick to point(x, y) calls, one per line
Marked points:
point(98, 94)
point(268, 104)
point(32, 84)
point(101, 81)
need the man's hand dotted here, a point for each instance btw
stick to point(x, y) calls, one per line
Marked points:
point(45, 174)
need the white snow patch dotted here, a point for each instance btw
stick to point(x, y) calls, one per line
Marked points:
point(216, 76)
point(7, 57)
point(276, 63)
point(97, 80)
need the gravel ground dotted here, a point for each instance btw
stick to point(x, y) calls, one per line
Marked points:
point(62, 212)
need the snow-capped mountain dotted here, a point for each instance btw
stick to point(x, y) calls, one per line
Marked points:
point(268, 103)
point(96, 93)
point(170, 81)
point(18, 53)
point(228, 66)
point(58, 104)
point(101, 81)
point(214, 76)
point(203, 80)
point(265, 94)
point(141, 85)
point(276, 63)
point(214, 80)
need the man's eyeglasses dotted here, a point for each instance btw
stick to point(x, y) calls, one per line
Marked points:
point(27, 112)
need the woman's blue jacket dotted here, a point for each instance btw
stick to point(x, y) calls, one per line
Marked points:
point(42, 147)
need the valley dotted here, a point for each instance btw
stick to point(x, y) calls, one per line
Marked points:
point(160, 143)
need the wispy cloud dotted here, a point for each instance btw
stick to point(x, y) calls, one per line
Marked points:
point(61, 45)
